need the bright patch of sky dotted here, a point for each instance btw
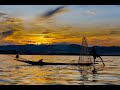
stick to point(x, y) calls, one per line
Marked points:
point(77, 11)
point(94, 18)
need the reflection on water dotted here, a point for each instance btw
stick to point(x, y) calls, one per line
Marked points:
point(17, 73)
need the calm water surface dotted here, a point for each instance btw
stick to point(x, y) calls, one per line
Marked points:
point(18, 73)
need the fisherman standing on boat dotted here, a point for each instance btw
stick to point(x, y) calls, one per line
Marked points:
point(40, 61)
point(95, 55)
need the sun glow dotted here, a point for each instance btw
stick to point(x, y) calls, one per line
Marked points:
point(42, 40)
point(29, 40)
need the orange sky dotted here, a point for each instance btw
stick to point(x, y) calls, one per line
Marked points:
point(100, 28)
point(62, 34)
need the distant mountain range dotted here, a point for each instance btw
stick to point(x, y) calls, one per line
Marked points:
point(55, 49)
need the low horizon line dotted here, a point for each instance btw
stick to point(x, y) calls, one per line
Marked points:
point(58, 44)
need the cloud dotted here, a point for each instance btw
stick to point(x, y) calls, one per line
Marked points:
point(99, 40)
point(7, 43)
point(48, 16)
point(2, 14)
point(10, 19)
point(117, 5)
point(12, 26)
point(90, 12)
point(8, 32)
point(53, 12)
point(115, 31)
point(45, 21)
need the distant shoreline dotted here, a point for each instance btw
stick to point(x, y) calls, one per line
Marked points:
point(54, 54)
point(60, 49)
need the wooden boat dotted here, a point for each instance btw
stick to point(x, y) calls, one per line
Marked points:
point(50, 63)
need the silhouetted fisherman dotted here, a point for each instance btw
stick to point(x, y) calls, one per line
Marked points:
point(41, 61)
point(17, 56)
point(95, 55)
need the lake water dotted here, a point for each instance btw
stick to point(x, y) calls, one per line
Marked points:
point(18, 73)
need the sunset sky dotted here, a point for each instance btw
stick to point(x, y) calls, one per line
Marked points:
point(48, 24)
